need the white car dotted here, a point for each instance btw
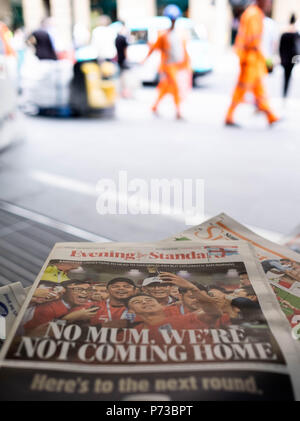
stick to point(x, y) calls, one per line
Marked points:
point(9, 130)
point(145, 32)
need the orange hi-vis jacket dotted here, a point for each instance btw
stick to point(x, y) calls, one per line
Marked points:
point(5, 36)
point(248, 43)
point(171, 72)
point(162, 44)
point(253, 63)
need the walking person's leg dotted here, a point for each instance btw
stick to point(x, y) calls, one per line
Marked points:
point(237, 99)
point(239, 93)
point(262, 101)
point(162, 89)
point(288, 69)
point(175, 90)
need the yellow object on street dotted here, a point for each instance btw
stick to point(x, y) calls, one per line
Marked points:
point(100, 93)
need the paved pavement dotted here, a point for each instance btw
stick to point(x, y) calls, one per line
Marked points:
point(252, 174)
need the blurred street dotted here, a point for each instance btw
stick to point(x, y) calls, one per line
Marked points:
point(250, 173)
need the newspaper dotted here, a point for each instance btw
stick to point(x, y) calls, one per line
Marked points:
point(12, 297)
point(150, 322)
point(281, 265)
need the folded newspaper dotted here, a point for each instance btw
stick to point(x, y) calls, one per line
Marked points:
point(280, 264)
point(12, 297)
point(152, 322)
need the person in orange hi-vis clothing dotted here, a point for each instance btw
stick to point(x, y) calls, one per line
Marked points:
point(175, 73)
point(5, 37)
point(252, 61)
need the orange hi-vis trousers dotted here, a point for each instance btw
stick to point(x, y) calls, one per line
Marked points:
point(249, 81)
point(169, 85)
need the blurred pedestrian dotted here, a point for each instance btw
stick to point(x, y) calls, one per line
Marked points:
point(252, 61)
point(289, 50)
point(121, 46)
point(83, 50)
point(19, 45)
point(270, 42)
point(103, 39)
point(174, 62)
point(81, 36)
point(234, 28)
point(6, 40)
point(42, 42)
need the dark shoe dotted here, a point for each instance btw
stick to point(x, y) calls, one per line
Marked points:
point(232, 124)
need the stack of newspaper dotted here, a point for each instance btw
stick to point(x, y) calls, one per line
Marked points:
point(212, 313)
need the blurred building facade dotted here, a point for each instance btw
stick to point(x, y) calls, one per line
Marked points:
point(282, 10)
point(5, 11)
point(216, 15)
point(127, 9)
point(65, 14)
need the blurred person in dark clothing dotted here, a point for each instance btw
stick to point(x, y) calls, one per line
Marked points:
point(121, 44)
point(41, 41)
point(289, 49)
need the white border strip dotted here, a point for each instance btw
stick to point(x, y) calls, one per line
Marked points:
point(117, 369)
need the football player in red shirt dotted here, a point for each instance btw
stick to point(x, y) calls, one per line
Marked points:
point(112, 312)
point(74, 305)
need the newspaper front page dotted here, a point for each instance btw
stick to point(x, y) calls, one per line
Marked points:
point(281, 265)
point(150, 322)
